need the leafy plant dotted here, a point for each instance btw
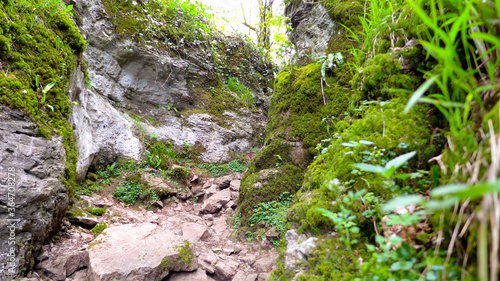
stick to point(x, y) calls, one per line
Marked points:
point(273, 213)
point(249, 235)
point(102, 174)
point(113, 170)
point(390, 167)
point(344, 220)
point(154, 160)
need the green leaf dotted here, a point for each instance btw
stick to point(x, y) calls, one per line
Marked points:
point(450, 189)
point(370, 248)
point(389, 172)
point(49, 86)
point(401, 265)
point(400, 160)
point(447, 203)
point(394, 240)
point(419, 93)
point(50, 106)
point(402, 176)
point(380, 239)
point(479, 190)
point(369, 168)
point(348, 144)
point(402, 201)
point(366, 142)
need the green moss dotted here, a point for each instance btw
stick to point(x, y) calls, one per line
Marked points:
point(267, 186)
point(99, 228)
point(186, 254)
point(28, 49)
point(186, 257)
point(4, 45)
point(97, 211)
point(387, 132)
point(134, 178)
point(381, 73)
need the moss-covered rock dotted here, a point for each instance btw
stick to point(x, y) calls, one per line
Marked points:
point(266, 186)
point(40, 45)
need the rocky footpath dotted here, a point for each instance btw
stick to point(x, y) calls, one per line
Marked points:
point(179, 239)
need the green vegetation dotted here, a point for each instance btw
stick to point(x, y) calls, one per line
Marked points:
point(377, 151)
point(273, 213)
point(99, 228)
point(39, 49)
point(97, 211)
point(186, 254)
point(221, 169)
point(133, 190)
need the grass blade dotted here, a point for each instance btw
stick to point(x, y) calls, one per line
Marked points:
point(419, 93)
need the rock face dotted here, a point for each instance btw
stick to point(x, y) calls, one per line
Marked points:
point(137, 252)
point(312, 28)
point(101, 132)
point(133, 80)
point(295, 252)
point(32, 197)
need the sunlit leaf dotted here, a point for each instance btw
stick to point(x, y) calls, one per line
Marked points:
point(400, 160)
point(450, 189)
point(419, 93)
point(369, 168)
point(402, 201)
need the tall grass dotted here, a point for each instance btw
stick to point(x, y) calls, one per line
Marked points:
point(464, 38)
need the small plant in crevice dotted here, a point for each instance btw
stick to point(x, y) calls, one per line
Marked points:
point(345, 221)
point(249, 236)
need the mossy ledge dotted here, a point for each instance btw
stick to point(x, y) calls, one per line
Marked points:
point(40, 45)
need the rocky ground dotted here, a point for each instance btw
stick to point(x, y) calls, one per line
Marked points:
point(152, 245)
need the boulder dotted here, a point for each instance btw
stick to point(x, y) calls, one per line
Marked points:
point(312, 28)
point(102, 133)
point(34, 198)
point(64, 265)
point(226, 269)
point(273, 234)
point(234, 185)
point(292, 254)
point(84, 221)
point(245, 276)
point(159, 184)
point(216, 202)
point(138, 252)
point(195, 232)
point(149, 82)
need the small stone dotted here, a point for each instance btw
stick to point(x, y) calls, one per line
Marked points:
point(158, 204)
point(194, 179)
point(234, 185)
point(273, 234)
point(226, 269)
point(86, 222)
point(103, 204)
